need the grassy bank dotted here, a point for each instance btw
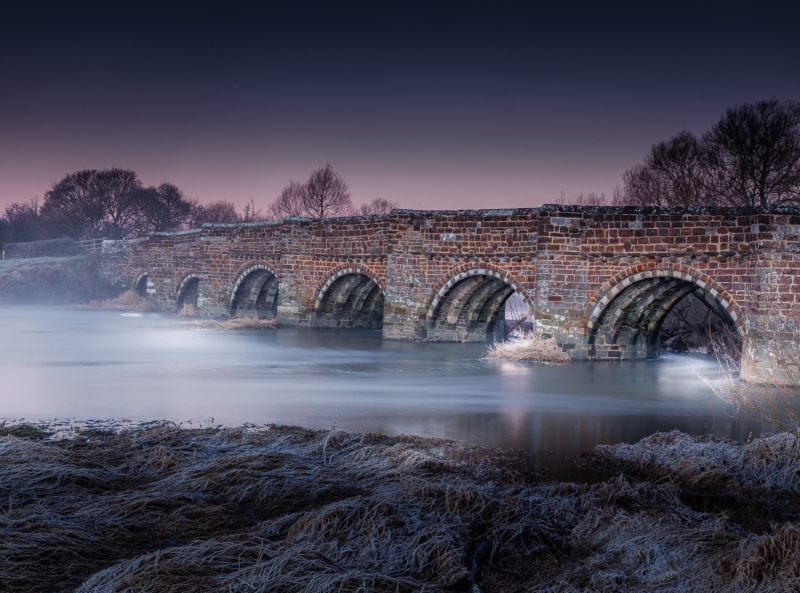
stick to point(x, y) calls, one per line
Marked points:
point(168, 509)
point(52, 281)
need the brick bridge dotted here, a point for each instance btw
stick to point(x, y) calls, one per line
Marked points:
point(601, 279)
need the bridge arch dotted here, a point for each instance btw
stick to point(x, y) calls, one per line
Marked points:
point(188, 291)
point(139, 285)
point(255, 292)
point(625, 316)
point(468, 304)
point(352, 296)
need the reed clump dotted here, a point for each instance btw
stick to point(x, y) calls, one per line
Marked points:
point(234, 323)
point(187, 310)
point(286, 509)
point(530, 347)
point(129, 301)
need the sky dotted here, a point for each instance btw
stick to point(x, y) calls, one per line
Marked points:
point(434, 105)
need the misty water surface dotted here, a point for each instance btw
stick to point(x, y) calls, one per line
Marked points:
point(59, 364)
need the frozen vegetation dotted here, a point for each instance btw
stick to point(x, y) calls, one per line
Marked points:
point(146, 508)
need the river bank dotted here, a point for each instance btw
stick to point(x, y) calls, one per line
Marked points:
point(49, 280)
point(156, 507)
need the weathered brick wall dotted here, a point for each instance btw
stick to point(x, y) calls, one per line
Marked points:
point(434, 247)
point(443, 275)
point(588, 258)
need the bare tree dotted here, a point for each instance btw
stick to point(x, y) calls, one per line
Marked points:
point(163, 208)
point(290, 202)
point(753, 154)
point(94, 203)
point(220, 212)
point(73, 207)
point(252, 214)
point(20, 223)
point(673, 174)
point(112, 203)
point(378, 206)
point(751, 157)
point(326, 194)
point(117, 191)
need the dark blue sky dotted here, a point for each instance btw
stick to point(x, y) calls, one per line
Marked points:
point(455, 105)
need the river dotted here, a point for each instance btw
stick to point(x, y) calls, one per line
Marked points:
point(100, 365)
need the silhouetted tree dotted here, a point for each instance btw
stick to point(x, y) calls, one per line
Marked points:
point(94, 203)
point(74, 207)
point(378, 206)
point(112, 203)
point(674, 173)
point(162, 208)
point(290, 202)
point(122, 212)
point(326, 194)
point(21, 223)
point(220, 212)
point(753, 154)
point(751, 157)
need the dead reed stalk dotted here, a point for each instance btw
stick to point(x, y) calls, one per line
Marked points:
point(760, 376)
point(188, 310)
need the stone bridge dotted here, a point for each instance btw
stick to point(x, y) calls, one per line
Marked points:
point(601, 279)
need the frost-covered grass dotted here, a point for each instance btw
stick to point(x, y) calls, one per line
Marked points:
point(529, 347)
point(144, 507)
point(758, 468)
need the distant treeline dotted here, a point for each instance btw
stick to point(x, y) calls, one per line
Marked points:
point(115, 204)
point(109, 203)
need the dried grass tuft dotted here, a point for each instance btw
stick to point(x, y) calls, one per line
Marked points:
point(128, 301)
point(234, 323)
point(530, 347)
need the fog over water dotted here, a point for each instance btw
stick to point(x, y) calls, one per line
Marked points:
point(87, 364)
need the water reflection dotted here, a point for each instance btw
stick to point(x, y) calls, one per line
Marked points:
point(106, 365)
